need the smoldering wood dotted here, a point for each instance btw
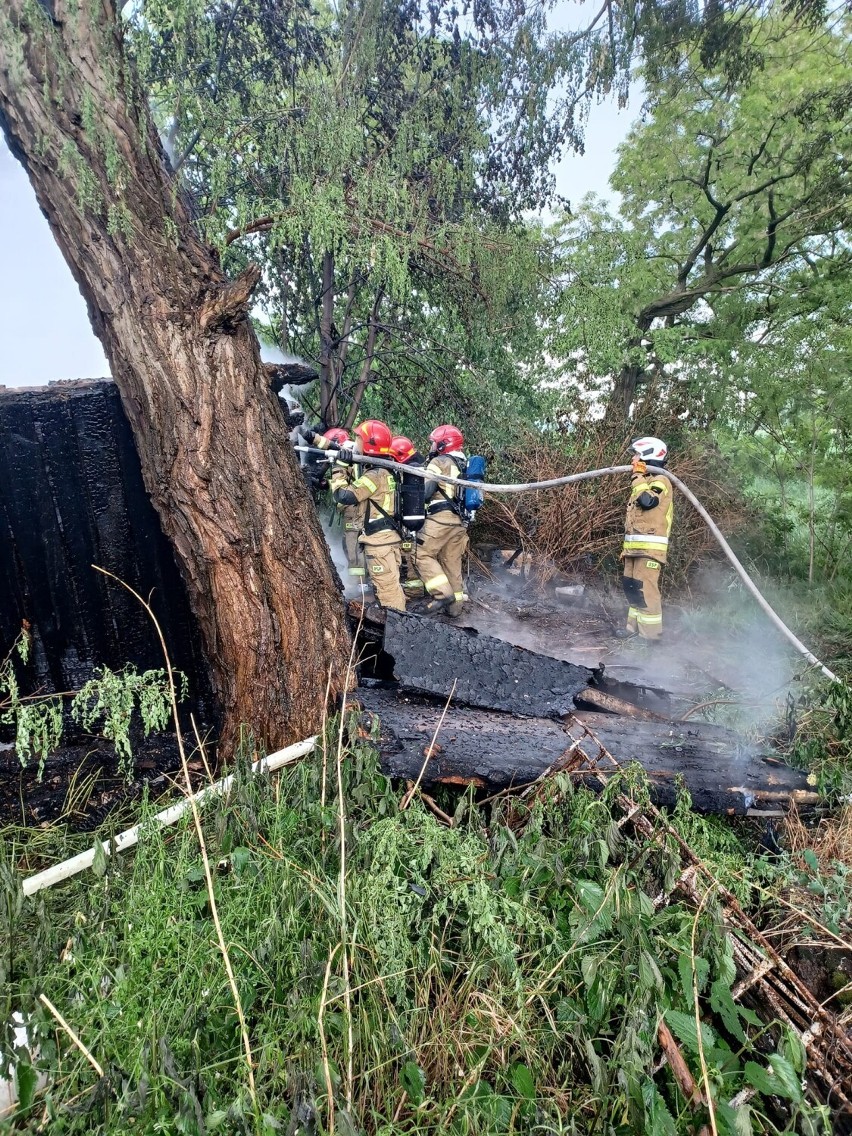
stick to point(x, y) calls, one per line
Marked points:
point(479, 670)
point(494, 751)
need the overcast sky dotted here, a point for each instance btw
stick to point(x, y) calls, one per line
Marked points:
point(44, 328)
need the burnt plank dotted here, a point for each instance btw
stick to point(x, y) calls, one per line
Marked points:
point(495, 751)
point(439, 658)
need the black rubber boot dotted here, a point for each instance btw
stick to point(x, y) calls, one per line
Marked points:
point(623, 633)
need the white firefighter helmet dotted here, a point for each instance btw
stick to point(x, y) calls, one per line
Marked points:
point(650, 449)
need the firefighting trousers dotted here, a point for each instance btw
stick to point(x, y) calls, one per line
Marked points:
point(353, 549)
point(383, 565)
point(440, 558)
point(412, 585)
point(641, 583)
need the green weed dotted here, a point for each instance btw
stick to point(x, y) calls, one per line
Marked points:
point(498, 981)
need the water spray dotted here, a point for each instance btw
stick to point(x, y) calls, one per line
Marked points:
point(572, 478)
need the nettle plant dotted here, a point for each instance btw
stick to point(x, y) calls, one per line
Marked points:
point(109, 704)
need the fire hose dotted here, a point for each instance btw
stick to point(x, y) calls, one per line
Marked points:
point(572, 478)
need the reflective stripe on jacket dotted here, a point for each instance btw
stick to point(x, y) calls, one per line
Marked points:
point(647, 531)
point(376, 490)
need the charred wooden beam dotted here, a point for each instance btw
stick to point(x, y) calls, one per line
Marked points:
point(496, 751)
point(282, 375)
point(437, 658)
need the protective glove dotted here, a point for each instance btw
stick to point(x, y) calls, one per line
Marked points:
point(345, 456)
point(638, 465)
point(307, 432)
point(647, 500)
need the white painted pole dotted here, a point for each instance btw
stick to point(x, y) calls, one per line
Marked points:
point(130, 836)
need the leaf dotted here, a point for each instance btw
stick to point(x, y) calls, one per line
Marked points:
point(589, 967)
point(99, 863)
point(778, 1079)
point(27, 1081)
point(216, 1119)
point(649, 972)
point(683, 1027)
point(522, 1079)
point(591, 895)
point(722, 1003)
point(414, 1082)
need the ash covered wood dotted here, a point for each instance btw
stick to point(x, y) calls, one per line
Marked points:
point(495, 751)
point(431, 657)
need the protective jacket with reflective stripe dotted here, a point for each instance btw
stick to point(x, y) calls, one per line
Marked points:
point(375, 489)
point(647, 531)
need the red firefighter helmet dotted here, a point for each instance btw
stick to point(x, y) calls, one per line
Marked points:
point(375, 436)
point(444, 439)
point(402, 448)
point(337, 435)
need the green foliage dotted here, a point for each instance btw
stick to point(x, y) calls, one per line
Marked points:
point(497, 981)
point(112, 699)
point(823, 741)
point(734, 199)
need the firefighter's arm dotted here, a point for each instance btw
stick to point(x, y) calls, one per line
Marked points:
point(314, 437)
point(430, 487)
point(341, 477)
point(356, 493)
point(651, 497)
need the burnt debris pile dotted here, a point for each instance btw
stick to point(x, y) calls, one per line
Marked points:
point(502, 716)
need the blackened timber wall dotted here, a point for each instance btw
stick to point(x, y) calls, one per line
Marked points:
point(71, 495)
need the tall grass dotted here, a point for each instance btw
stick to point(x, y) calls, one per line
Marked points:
point(501, 978)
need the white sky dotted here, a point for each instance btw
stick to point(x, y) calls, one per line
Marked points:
point(44, 327)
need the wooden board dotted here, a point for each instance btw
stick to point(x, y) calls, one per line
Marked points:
point(494, 751)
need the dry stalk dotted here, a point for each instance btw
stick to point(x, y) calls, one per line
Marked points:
point(705, 1076)
point(430, 749)
point(764, 971)
point(196, 817)
point(329, 1088)
point(76, 1040)
point(341, 881)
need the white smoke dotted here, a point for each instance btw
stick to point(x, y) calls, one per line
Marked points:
point(353, 587)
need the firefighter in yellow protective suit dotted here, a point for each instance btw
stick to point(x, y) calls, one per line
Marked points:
point(647, 528)
point(443, 540)
point(375, 489)
point(352, 516)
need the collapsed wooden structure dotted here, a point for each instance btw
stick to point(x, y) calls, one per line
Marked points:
point(457, 707)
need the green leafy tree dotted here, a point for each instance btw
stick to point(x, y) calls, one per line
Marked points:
point(725, 190)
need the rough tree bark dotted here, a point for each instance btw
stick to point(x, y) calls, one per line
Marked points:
point(211, 439)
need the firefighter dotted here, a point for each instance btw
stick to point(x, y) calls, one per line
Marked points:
point(646, 539)
point(443, 540)
point(351, 516)
point(314, 467)
point(404, 451)
point(375, 490)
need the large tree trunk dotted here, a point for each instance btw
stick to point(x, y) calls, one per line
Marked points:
point(211, 439)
